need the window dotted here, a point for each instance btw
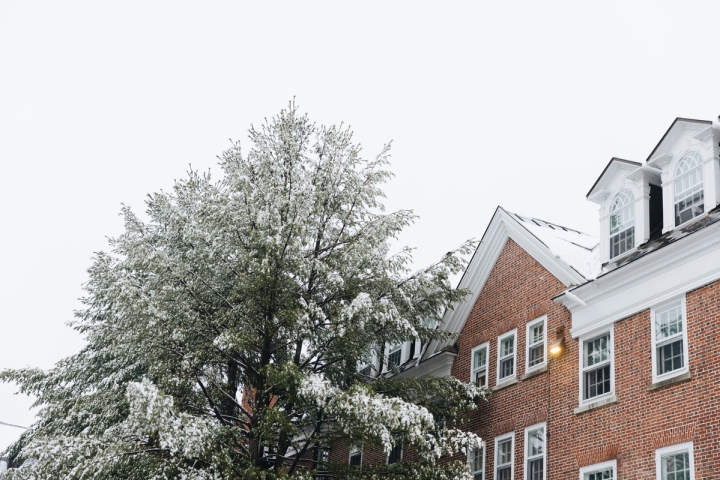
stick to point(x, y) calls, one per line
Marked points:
point(622, 224)
point(535, 452)
point(675, 463)
point(396, 453)
point(478, 375)
point(669, 340)
point(355, 456)
point(689, 197)
point(599, 471)
point(597, 368)
point(536, 338)
point(477, 463)
point(504, 456)
point(506, 356)
point(394, 355)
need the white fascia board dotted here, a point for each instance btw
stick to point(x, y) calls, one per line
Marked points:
point(501, 228)
point(679, 267)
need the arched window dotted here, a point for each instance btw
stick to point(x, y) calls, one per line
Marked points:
point(689, 198)
point(622, 224)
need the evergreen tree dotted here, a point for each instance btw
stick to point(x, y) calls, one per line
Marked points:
point(224, 333)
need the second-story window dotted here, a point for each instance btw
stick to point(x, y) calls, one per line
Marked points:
point(536, 334)
point(689, 196)
point(506, 356)
point(477, 463)
point(622, 224)
point(479, 365)
point(355, 456)
point(669, 340)
point(395, 454)
point(597, 366)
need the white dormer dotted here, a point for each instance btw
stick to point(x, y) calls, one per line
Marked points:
point(686, 156)
point(623, 193)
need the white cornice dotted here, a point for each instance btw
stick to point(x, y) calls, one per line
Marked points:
point(689, 263)
point(501, 228)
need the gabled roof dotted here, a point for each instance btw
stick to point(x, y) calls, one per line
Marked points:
point(613, 165)
point(571, 256)
point(667, 139)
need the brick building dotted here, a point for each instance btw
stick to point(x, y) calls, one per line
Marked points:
point(601, 355)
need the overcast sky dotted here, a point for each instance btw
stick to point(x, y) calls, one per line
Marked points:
point(519, 104)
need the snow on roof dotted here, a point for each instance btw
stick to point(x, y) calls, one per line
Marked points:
point(579, 250)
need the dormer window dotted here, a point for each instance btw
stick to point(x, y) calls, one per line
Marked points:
point(622, 224)
point(689, 197)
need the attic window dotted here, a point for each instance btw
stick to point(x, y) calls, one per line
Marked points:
point(622, 224)
point(689, 198)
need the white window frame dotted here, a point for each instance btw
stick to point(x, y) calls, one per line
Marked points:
point(502, 337)
point(485, 346)
point(542, 320)
point(499, 439)
point(660, 309)
point(355, 449)
point(470, 462)
point(598, 467)
point(542, 425)
point(582, 369)
point(682, 447)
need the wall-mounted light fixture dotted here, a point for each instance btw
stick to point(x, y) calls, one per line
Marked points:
point(557, 347)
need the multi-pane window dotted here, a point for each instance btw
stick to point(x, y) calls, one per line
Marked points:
point(535, 452)
point(675, 463)
point(669, 339)
point(506, 356)
point(536, 335)
point(596, 366)
point(355, 456)
point(504, 457)
point(600, 471)
point(689, 196)
point(479, 365)
point(622, 224)
point(394, 355)
point(477, 463)
point(396, 453)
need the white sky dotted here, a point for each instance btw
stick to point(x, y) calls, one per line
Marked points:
point(513, 103)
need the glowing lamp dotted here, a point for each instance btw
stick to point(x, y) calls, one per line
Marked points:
point(557, 347)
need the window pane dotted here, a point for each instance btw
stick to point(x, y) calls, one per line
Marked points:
point(597, 350)
point(355, 459)
point(394, 358)
point(536, 355)
point(504, 453)
point(606, 474)
point(507, 346)
point(481, 378)
point(675, 466)
point(507, 367)
point(535, 469)
point(476, 461)
point(668, 322)
point(503, 473)
point(670, 357)
point(479, 358)
point(536, 442)
point(597, 382)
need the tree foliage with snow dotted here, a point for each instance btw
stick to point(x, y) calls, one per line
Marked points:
point(224, 332)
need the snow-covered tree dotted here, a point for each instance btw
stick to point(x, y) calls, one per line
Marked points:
point(224, 331)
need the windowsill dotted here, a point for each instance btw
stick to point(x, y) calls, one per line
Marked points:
point(533, 373)
point(597, 404)
point(669, 381)
point(504, 384)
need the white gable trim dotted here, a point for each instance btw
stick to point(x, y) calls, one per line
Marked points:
point(501, 228)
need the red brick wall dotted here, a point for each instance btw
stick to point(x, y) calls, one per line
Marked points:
point(518, 290)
